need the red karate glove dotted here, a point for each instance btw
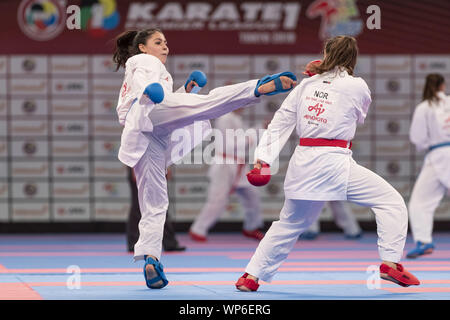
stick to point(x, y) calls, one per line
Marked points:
point(308, 67)
point(259, 177)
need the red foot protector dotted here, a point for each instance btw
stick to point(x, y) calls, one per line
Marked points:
point(197, 237)
point(259, 177)
point(399, 276)
point(255, 234)
point(249, 283)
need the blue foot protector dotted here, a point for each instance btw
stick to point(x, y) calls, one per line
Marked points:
point(309, 235)
point(160, 274)
point(278, 84)
point(420, 250)
point(354, 236)
point(155, 92)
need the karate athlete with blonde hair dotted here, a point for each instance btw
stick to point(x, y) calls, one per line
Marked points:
point(227, 176)
point(430, 130)
point(150, 112)
point(325, 110)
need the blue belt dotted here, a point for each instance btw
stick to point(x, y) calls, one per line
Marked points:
point(439, 145)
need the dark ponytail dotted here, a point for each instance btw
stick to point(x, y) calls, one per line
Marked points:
point(433, 83)
point(127, 44)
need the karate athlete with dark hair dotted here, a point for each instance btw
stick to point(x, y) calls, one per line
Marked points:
point(430, 130)
point(150, 112)
point(325, 110)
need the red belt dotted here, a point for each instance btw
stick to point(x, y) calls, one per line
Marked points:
point(318, 142)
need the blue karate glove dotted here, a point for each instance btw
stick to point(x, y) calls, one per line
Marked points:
point(155, 92)
point(199, 78)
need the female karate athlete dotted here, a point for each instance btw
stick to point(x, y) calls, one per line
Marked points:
point(325, 110)
point(150, 112)
point(430, 130)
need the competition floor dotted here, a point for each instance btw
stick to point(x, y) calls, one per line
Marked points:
point(35, 267)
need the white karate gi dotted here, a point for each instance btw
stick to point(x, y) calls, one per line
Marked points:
point(227, 178)
point(146, 143)
point(430, 126)
point(343, 217)
point(325, 106)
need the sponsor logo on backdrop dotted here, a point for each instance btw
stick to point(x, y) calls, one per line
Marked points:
point(109, 106)
point(433, 65)
point(99, 16)
point(30, 189)
point(111, 148)
point(30, 171)
point(109, 65)
point(393, 127)
point(28, 65)
point(110, 188)
point(392, 107)
point(65, 190)
point(69, 66)
point(70, 211)
point(108, 129)
point(41, 20)
point(29, 148)
point(30, 129)
point(393, 167)
point(232, 208)
point(70, 86)
point(70, 169)
point(392, 65)
point(31, 86)
point(338, 17)
point(29, 106)
point(61, 107)
point(43, 210)
point(70, 127)
point(393, 85)
point(65, 149)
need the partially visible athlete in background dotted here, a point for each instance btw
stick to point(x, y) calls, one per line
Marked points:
point(430, 131)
